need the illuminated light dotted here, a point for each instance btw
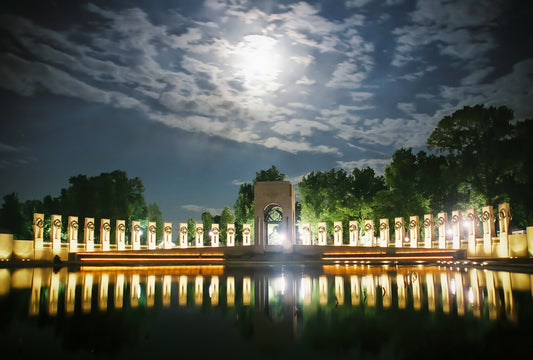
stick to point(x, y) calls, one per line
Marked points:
point(449, 231)
point(466, 224)
point(452, 286)
point(406, 239)
point(470, 295)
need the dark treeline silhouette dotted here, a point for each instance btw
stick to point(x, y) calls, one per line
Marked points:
point(108, 195)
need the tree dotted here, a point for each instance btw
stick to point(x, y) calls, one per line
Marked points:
point(226, 217)
point(207, 221)
point(477, 141)
point(155, 214)
point(191, 227)
point(11, 216)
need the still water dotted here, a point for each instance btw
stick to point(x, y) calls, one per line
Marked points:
point(308, 312)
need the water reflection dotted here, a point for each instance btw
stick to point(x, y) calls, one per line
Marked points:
point(277, 307)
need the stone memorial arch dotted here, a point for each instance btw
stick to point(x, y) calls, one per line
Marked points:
point(274, 215)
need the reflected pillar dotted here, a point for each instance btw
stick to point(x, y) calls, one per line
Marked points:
point(198, 290)
point(386, 294)
point(230, 291)
point(323, 289)
point(135, 290)
point(87, 292)
point(150, 291)
point(432, 299)
point(103, 292)
point(339, 290)
point(400, 285)
point(53, 297)
point(246, 291)
point(167, 290)
point(182, 291)
point(445, 293)
point(70, 293)
point(214, 290)
point(355, 290)
point(119, 291)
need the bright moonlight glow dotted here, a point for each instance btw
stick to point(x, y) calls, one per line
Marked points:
point(258, 62)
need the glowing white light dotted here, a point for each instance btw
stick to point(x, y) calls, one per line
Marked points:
point(449, 231)
point(138, 291)
point(258, 62)
point(211, 233)
point(466, 224)
point(470, 295)
point(452, 286)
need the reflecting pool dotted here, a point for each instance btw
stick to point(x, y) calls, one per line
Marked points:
point(309, 312)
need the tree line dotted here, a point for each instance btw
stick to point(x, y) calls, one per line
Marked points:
point(477, 156)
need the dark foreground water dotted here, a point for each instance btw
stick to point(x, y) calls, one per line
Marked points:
point(298, 312)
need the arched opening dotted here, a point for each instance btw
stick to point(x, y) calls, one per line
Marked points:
point(274, 230)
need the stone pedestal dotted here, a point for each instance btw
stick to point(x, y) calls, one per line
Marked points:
point(414, 231)
point(120, 235)
point(442, 222)
point(55, 234)
point(136, 235)
point(151, 235)
point(167, 235)
point(384, 233)
point(369, 232)
point(184, 235)
point(399, 232)
point(429, 231)
point(88, 234)
point(457, 229)
point(73, 233)
point(230, 235)
point(354, 233)
point(199, 235)
point(337, 233)
point(105, 233)
point(322, 234)
point(215, 235)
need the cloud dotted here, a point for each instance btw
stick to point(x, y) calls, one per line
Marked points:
point(299, 126)
point(200, 209)
point(461, 30)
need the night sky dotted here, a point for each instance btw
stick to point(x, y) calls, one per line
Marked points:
point(195, 97)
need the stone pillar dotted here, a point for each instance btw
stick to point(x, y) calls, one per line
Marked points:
point(384, 233)
point(471, 226)
point(136, 235)
point(105, 232)
point(167, 235)
point(322, 234)
point(369, 232)
point(457, 228)
point(429, 231)
point(414, 231)
point(399, 232)
point(442, 222)
point(246, 234)
point(215, 235)
point(38, 233)
point(199, 235)
point(120, 235)
point(488, 229)
point(151, 235)
point(73, 233)
point(184, 231)
point(55, 233)
point(354, 233)
point(306, 234)
point(88, 234)
point(337, 233)
point(504, 217)
point(230, 235)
